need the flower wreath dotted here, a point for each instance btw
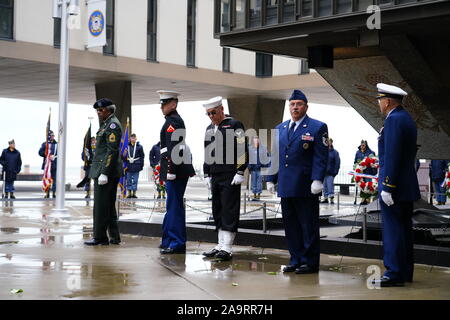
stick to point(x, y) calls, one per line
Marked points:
point(367, 188)
point(447, 181)
point(156, 178)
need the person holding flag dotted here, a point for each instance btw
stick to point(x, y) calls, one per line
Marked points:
point(48, 151)
point(87, 155)
point(106, 170)
point(123, 154)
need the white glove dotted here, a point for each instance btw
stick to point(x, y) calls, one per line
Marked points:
point(270, 187)
point(208, 182)
point(316, 187)
point(387, 198)
point(103, 179)
point(238, 179)
point(171, 176)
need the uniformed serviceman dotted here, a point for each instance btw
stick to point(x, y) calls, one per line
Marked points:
point(176, 168)
point(303, 154)
point(398, 185)
point(106, 170)
point(53, 154)
point(226, 158)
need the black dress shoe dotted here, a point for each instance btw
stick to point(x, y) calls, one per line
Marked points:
point(95, 242)
point(211, 253)
point(324, 201)
point(161, 246)
point(181, 250)
point(114, 241)
point(223, 255)
point(290, 268)
point(306, 270)
point(385, 282)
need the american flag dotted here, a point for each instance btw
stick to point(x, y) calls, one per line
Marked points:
point(47, 180)
point(124, 154)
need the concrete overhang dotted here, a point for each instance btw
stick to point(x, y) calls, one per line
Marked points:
point(30, 71)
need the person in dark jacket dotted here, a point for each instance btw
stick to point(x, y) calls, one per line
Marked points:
point(155, 159)
point(333, 166)
point(12, 164)
point(53, 157)
point(255, 152)
point(437, 174)
point(135, 164)
point(87, 155)
point(363, 152)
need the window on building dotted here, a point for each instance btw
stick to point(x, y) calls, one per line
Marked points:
point(364, 4)
point(57, 32)
point(324, 8)
point(255, 13)
point(151, 29)
point(271, 12)
point(6, 19)
point(264, 64)
point(343, 6)
point(306, 8)
point(109, 48)
point(240, 14)
point(226, 60)
point(288, 10)
point(225, 15)
point(303, 66)
point(191, 17)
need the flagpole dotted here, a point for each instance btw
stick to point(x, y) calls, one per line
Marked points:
point(62, 122)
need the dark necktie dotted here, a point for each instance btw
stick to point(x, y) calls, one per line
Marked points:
point(291, 131)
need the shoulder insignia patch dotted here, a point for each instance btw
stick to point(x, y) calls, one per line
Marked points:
point(112, 126)
point(170, 129)
point(112, 137)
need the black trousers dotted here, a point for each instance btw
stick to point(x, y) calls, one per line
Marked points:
point(226, 201)
point(105, 214)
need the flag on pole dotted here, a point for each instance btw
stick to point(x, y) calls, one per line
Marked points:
point(124, 154)
point(47, 180)
point(96, 23)
point(87, 147)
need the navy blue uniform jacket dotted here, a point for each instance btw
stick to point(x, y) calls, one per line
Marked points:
point(302, 159)
point(397, 151)
point(12, 163)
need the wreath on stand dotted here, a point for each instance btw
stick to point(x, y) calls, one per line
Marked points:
point(447, 181)
point(156, 178)
point(367, 189)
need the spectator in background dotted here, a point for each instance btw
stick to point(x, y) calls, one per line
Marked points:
point(437, 175)
point(255, 151)
point(363, 152)
point(333, 166)
point(135, 164)
point(12, 164)
point(155, 158)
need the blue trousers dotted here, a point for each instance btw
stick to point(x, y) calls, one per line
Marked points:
point(9, 186)
point(301, 225)
point(439, 191)
point(256, 181)
point(132, 180)
point(174, 223)
point(398, 246)
point(328, 186)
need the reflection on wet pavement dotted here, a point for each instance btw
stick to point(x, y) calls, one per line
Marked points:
point(44, 255)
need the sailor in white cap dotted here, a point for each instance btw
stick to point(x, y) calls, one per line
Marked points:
point(226, 158)
point(398, 185)
point(175, 174)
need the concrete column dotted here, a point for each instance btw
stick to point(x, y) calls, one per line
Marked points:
point(119, 92)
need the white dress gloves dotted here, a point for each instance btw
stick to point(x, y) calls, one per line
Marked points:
point(238, 179)
point(103, 179)
point(316, 187)
point(387, 198)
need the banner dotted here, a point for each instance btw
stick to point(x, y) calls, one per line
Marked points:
point(96, 23)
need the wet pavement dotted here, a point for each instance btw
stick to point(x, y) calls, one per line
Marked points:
point(42, 253)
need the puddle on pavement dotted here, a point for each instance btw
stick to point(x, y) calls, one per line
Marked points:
point(48, 239)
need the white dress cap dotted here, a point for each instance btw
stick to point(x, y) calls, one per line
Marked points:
point(212, 103)
point(167, 95)
point(386, 90)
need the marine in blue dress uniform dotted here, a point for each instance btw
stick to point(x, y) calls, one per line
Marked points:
point(398, 185)
point(438, 170)
point(176, 168)
point(303, 154)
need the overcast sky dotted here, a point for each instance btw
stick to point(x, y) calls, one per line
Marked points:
point(25, 121)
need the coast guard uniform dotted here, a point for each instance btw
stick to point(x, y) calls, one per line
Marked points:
point(174, 223)
point(398, 187)
point(303, 156)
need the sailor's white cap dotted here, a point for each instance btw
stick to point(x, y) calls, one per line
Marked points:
point(213, 102)
point(388, 91)
point(166, 95)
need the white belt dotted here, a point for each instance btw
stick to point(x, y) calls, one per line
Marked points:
point(163, 150)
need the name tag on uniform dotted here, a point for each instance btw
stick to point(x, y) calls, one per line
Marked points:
point(307, 138)
point(163, 150)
